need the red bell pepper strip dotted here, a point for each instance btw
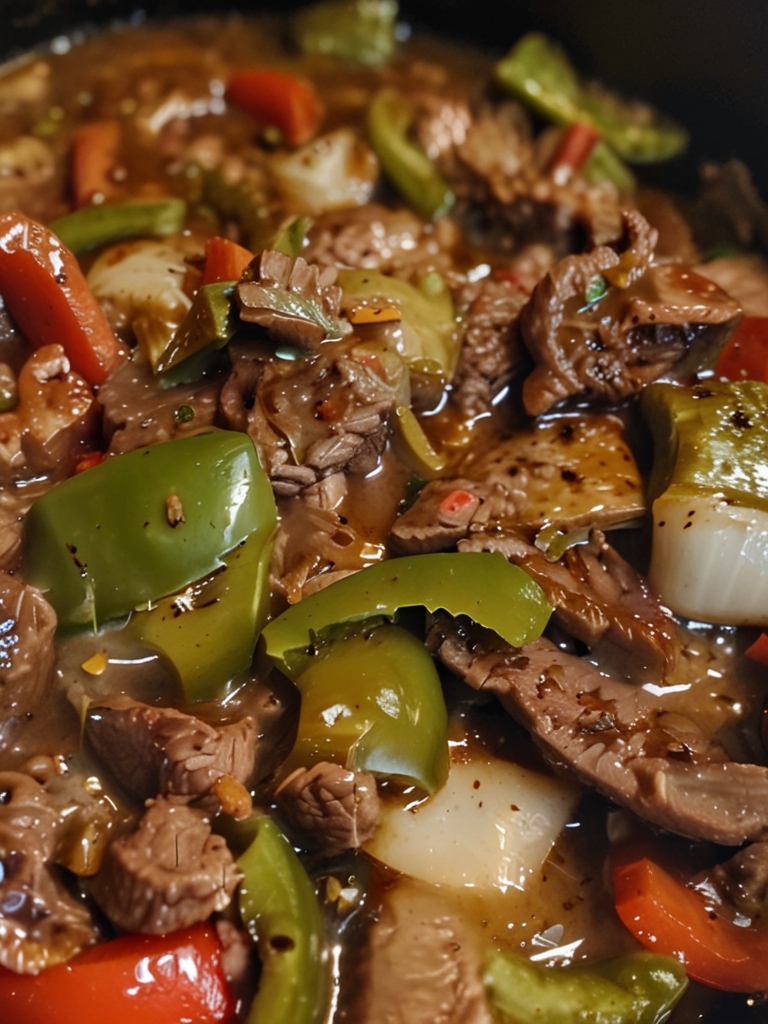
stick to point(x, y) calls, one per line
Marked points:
point(94, 155)
point(667, 916)
point(745, 356)
point(758, 651)
point(458, 500)
point(134, 979)
point(574, 150)
point(224, 261)
point(47, 295)
point(279, 100)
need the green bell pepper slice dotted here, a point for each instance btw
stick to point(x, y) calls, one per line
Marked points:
point(373, 702)
point(209, 323)
point(428, 337)
point(482, 585)
point(642, 988)
point(279, 907)
point(209, 631)
point(404, 162)
point(538, 72)
point(145, 524)
point(710, 438)
point(94, 226)
point(362, 31)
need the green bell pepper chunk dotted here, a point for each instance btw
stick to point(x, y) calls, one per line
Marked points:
point(710, 438)
point(145, 524)
point(642, 988)
point(373, 702)
point(404, 162)
point(94, 226)
point(209, 631)
point(538, 72)
point(356, 30)
point(279, 907)
point(289, 239)
point(210, 322)
point(428, 336)
point(482, 585)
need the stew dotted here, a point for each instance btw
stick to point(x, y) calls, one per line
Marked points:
point(383, 522)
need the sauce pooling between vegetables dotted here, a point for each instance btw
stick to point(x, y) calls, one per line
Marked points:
point(347, 385)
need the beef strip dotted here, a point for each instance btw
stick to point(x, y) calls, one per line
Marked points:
point(652, 318)
point(138, 413)
point(424, 965)
point(374, 237)
point(491, 349)
point(574, 472)
point(27, 628)
point(152, 750)
point(329, 808)
point(41, 923)
point(312, 417)
point(743, 880)
point(295, 301)
point(504, 196)
point(170, 873)
point(614, 736)
point(599, 599)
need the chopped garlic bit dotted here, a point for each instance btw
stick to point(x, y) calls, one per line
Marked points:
point(234, 798)
point(174, 510)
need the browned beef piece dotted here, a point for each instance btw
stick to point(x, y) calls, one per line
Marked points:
point(504, 196)
point(15, 502)
point(373, 237)
point(424, 965)
point(170, 873)
point(743, 277)
point(153, 750)
point(138, 413)
point(743, 880)
point(41, 923)
point(27, 628)
point(329, 808)
point(312, 417)
point(614, 736)
point(491, 349)
point(295, 301)
point(651, 318)
point(574, 472)
point(599, 599)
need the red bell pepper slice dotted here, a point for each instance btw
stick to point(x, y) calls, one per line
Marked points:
point(134, 979)
point(279, 100)
point(667, 916)
point(47, 295)
point(745, 356)
point(224, 260)
point(576, 145)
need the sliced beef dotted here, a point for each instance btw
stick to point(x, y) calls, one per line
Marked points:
point(27, 628)
point(138, 413)
point(743, 277)
point(743, 880)
point(505, 197)
point(15, 502)
point(651, 318)
point(329, 808)
point(599, 599)
point(425, 966)
point(295, 301)
point(373, 237)
point(574, 472)
point(41, 922)
point(153, 750)
point(170, 873)
point(313, 417)
point(614, 736)
point(491, 349)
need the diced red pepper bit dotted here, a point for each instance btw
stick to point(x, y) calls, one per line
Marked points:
point(456, 501)
point(89, 461)
point(758, 651)
point(575, 147)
